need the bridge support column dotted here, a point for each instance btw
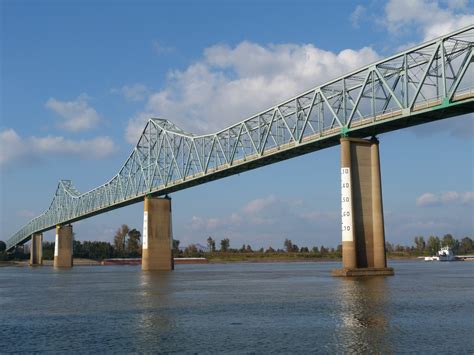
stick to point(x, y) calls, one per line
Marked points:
point(63, 247)
point(363, 235)
point(157, 252)
point(36, 249)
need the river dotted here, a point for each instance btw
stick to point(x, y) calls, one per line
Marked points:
point(238, 308)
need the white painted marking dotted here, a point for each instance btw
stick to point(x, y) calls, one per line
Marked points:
point(145, 230)
point(56, 245)
point(346, 205)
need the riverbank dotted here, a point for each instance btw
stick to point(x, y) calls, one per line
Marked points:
point(77, 262)
point(222, 259)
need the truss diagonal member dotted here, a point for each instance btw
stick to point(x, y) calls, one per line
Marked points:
point(262, 150)
point(234, 149)
point(425, 73)
point(385, 84)
point(286, 124)
point(359, 96)
point(467, 61)
point(198, 155)
point(307, 116)
point(335, 118)
point(222, 149)
point(250, 137)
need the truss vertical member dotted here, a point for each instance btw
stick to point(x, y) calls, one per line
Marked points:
point(363, 235)
point(63, 247)
point(157, 252)
point(36, 249)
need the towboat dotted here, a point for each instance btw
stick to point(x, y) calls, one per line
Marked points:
point(445, 254)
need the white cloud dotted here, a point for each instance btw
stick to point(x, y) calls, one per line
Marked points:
point(11, 146)
point(263, 219)
point(445, 198)
point(259, 204)
point(14, 148)
point(433, 18)
point(229, 84)
point(357, 15)
point(76, 115)
point(135, 92)
point(160, 49)
point(457, 4)
point(313, 216)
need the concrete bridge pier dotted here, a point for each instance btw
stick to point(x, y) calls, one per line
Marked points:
point(36, 249)
point(363, 234)
point(157, 252)
point(63, 247)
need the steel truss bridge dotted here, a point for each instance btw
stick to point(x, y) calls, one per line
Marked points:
point(432, 81)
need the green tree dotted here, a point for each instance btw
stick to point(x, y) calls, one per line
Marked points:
point(48, 251)
point(465, 246)
point(120, 240)
point(420, 243)
point(270, 250)
point(434, 244)
point(211, 244)
point(176, 247)
point(77, 249)
point(450, 241)
point(133, 243)
point(191, 250)
point(3, 246)
point(288, 244)
point(225, 243)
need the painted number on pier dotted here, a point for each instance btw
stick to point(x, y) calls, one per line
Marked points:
point(145, 230)
point(346, 205)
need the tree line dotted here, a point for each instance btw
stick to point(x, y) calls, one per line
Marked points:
point(127, 244)
point(288, 248)
point(433, 244)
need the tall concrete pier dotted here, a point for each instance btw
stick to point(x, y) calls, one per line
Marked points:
point(157, 252)
point(63, 247)
point(36, 249)
point(363, 234)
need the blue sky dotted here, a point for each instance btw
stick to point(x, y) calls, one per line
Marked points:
point(78, 78)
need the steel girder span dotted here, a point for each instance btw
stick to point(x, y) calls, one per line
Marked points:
point(432, 81)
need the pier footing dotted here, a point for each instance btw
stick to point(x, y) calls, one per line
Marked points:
point(345, 272)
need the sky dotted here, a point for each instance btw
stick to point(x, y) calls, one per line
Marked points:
point(79, 79)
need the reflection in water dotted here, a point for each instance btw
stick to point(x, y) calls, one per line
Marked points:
point(236, 308)
point(155, 296)
point(364, 324)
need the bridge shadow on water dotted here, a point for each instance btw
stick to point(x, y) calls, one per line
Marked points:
point(364, 319)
